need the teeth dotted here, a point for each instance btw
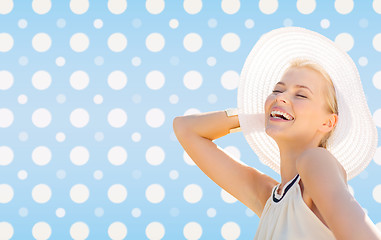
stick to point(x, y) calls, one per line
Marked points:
point(287, 116)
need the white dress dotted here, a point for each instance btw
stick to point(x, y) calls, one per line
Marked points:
point(286, 216)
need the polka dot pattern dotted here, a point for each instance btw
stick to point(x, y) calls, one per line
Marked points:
point(88, 97)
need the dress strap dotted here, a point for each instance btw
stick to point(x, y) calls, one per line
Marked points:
point(289, 185)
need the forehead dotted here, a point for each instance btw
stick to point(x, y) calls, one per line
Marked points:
point(303, 76)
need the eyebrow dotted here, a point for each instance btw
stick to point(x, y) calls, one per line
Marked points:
point(298, 86)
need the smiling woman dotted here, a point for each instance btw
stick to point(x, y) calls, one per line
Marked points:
point(291, 129)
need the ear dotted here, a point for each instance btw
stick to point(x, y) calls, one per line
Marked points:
point(329, 123)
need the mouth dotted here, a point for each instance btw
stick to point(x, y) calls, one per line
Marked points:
point(280, 116)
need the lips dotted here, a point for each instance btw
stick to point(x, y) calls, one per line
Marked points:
point(278, 113)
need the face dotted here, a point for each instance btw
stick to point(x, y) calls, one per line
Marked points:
point(300, 93)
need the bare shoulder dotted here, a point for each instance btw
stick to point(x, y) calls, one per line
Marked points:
point(319, 162)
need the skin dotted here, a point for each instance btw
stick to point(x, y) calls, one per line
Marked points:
point(323, 179)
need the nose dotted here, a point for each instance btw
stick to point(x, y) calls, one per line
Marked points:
point(280, 97)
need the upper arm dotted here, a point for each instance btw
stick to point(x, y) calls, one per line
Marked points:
point(326, 185)
point(245, 183)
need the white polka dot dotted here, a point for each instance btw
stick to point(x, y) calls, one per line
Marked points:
point(155, 42)
point(377, 8)
point(155, 6)
point(230, 42)
point(99, 212)
point(79, 155)
point(6, 42)
point(173, 174)
point(306, 6)
point(79, 80)
point(117, 80)
point(155, 193)
point(324, 23)
point(363, 61)
point(41, 6)
point(117, 6)
point(230, 231)
point(117, 193)
point(192, 231)
point(192, 193)
point(136, 98)
point(155, 155)
point(79, 231)
point(22, 23)
point(287, 22)
point(98, 99)
point(60, 137)
point(377, 117)
point(61, 98)
point(192, 6)
point(249, 212)
point(22, 174)
point(211, 212)
point(155, 231)
point(192, 42)
point(6, 7)
point(188, 160)
point(344, 6)
point(268, 6)
point(155, 80)
point(173, 99)
point(99, 61)
point(79, 6)
point(6, 78)
point(249, 23)
point(98, 23)
point(174, 23)
point(117, 231)
point(212, 23)
point(136, 212)
point(41, 80)
point(60, 61)
point(227, 197)
point(192, 80)
point(98, 174)
point(136, 61)
point(377, 80)
point(233, 151)
point(377, 193)
point(41, 42)
point(230, 79)
point(41, 231)
point(61, 23)
point(79, 193)
point(230, 6)
point(41, 193)
point(41, 118)
point(22, 99)
point(376, 157)
point(344, 41)
point(191, 111)
point(377, 42)
point(351, 190)
point(79, 118)
point(79, 42)
point(6, 193)
point(211, 61)
point(61, 174)
point(117, 118)
point(41, 155)
point(212, 98)
point(155, 117)
point(117, 42)
point(60, 212)
point(6, 229)
point(117, 155)
point(6, 155)
point(136, 137)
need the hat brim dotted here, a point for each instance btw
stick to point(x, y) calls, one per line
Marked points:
point(354, 140)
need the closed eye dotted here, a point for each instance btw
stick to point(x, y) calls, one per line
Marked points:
point(296, 95)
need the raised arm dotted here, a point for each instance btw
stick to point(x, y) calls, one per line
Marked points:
point(196, 134)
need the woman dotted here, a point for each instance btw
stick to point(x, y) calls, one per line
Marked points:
point(300, 107)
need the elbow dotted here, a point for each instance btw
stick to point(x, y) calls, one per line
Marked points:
point(179, 125)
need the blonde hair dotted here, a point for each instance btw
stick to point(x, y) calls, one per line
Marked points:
point(330, 94)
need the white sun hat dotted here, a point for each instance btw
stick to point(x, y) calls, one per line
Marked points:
point(353, 142)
